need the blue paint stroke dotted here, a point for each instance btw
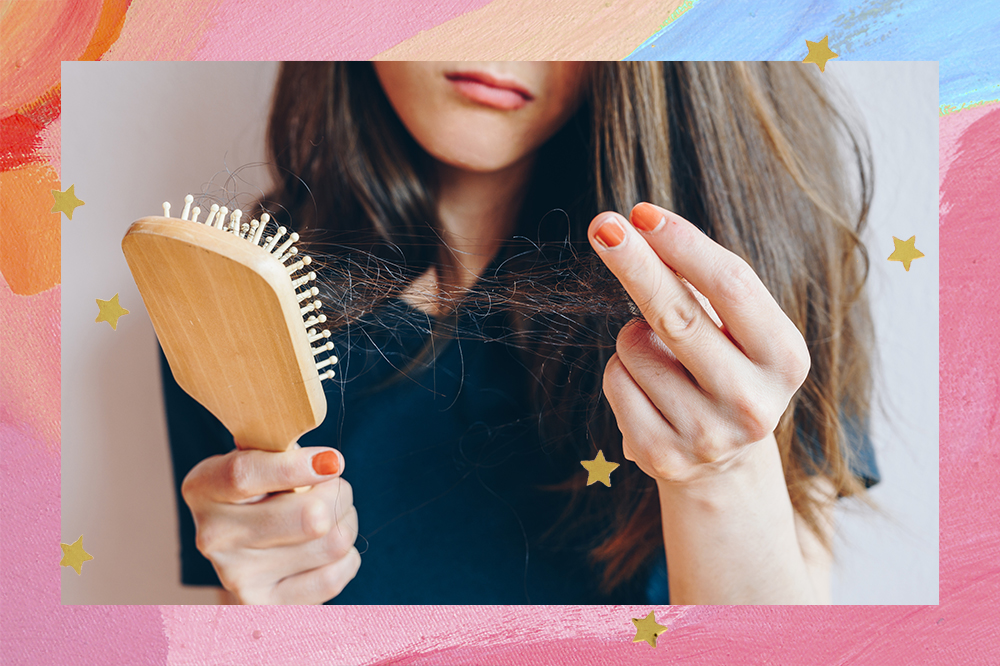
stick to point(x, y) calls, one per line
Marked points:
point(964, 37)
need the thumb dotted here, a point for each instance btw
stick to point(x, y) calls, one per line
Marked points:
point(246, 475)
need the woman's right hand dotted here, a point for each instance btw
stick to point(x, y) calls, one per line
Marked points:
point(269, 546)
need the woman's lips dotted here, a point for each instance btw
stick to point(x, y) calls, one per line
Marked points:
point(486, 90)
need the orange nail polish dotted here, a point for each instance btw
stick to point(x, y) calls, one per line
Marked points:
point(646, 218)
point(610, 233)
point(326, 463)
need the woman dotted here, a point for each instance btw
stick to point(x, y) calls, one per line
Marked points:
point(513, 245)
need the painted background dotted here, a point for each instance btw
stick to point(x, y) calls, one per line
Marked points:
point(37, 35)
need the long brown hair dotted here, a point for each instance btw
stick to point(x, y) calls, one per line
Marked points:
point(755, 154)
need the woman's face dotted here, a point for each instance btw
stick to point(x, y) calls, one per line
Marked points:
point(482, 116)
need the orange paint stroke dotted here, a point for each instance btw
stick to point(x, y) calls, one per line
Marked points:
point(46, 107)
point(532, 30)
point(37, 35)
point(30, 251)
point(109, 26)
point(156, 30)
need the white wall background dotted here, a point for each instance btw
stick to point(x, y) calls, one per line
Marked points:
point(136, 134)
point(894, 558)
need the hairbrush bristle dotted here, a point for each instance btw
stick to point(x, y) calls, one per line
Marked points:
point(287, 244)
point(314, 336)
point(287, 255)
point(264, 219)
point(252, 233)
point(308, 293)
point(304, 261)
point(302, 280)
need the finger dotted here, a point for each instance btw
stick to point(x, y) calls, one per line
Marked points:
point(240, 476)
point(648, 438)
point(254, 571)
point(318, 585)
point(317, 552)
point(289, 519)
point(662, 379)
point(669, 307)
point(751, 315)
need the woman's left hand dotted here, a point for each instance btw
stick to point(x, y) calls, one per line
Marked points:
point(699, 382)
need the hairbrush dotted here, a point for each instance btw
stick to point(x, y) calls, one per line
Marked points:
point(236, 314)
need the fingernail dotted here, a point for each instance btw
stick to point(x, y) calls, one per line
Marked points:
point(610, 233)
point(326, 463)
point(647, 218)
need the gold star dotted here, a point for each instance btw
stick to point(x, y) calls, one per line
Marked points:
point(905, 252)
point(819, 53)
point(599, 469)
point(66, 202)
point(110, 311)
point(647, 629)
point(74, 555)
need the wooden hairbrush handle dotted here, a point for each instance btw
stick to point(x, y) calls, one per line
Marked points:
point(223, 302)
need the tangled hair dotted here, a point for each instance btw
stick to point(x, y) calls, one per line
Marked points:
point(755, 154)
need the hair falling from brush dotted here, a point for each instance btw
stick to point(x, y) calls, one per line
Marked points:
point(562, 285)
point(552, 283)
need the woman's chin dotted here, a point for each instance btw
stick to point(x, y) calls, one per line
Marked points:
point(479, 162)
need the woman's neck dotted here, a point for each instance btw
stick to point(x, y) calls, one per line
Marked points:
point(478, 212)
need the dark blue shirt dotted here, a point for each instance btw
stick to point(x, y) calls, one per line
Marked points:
point(445, 464)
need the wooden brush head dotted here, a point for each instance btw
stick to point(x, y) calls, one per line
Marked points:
point(231, 326)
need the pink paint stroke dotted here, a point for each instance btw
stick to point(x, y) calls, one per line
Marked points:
point(155, 30)
point(320, 29)
point(36, 629)
point(970, 370)
point(50, 149)
point(952, 127)
point(29, 372)
point(970, 294)
point(565, 635)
